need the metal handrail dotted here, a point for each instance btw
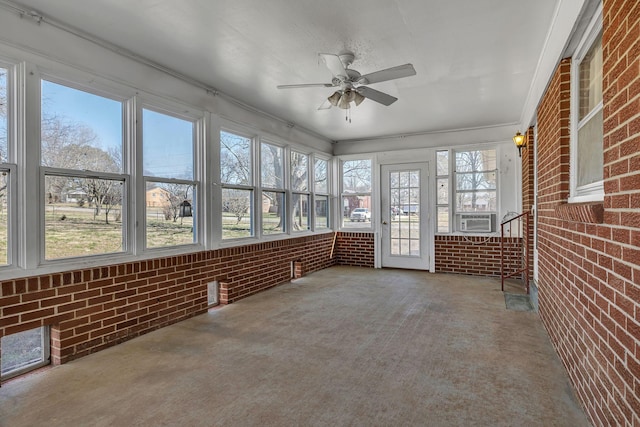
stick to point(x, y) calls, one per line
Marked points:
point(525, 249)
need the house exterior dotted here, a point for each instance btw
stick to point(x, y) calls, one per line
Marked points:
point(584, 251)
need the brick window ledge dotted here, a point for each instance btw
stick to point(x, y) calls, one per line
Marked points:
point(591, 212)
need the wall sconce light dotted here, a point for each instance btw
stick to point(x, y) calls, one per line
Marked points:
point(520, 141)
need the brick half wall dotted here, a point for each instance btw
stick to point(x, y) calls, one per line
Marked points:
point(475, 255)
point(95, 308)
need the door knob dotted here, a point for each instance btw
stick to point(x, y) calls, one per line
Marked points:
point(384, 222)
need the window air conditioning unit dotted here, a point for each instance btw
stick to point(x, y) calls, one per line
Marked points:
point(476, 222)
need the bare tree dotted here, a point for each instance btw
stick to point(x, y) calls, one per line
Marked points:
point(235, 159)
point(475, 177)
point(237, 203)
point(175, 195)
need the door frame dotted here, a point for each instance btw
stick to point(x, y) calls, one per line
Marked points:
point(427, 227)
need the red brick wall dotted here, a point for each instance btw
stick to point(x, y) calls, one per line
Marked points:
point(589, 272)
point(95, 308)
point(355, 249)
point(528, 192)
point(475, 255)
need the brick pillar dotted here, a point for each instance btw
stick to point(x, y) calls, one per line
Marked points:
point(528, 193)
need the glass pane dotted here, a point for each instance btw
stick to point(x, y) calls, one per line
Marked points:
point(476, 201)
point(475, 181)
point(4, 153)
point(237, 213)
point(22, 349)
point(167, 146)
point(299, 171)
point(443, 219)
point(322, 212)
point(80, 130)
point(271, 165)
point(170, 214)
point(356, 211)
point(83, 216)
point(442, 161)
point(356, 176)
point(235, 159)
point(321, 176)
point(300, 212)
point(590, 151)
point(272, 212)
point(443, 191)
point(4, 217)
point(591, 79)
point(475, 161)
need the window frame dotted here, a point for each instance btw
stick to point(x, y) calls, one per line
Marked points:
point(11, 170)
point(196, 119)
point(343, 225)
point(452, 190)
point(252, 187)
point(282, 191)
point(10, 167)
point(593, 191)
point(45, 353)
point(455, 173)
point(318, 194)
point(293, 192)
point(124, 175)
point(447, 177)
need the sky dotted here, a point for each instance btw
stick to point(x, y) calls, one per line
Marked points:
point(167, 140)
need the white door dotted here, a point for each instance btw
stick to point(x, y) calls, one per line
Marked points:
point(404, 216)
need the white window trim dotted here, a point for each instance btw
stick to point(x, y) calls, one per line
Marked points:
point(12, 202)
point(196, 117)
point(312, 167)
point(45, 353)
point(342, 224)
point(284, 190)
point(308, 192)
point(453, 212)
point(595, 191)
point(73, 173)
point(239, 130)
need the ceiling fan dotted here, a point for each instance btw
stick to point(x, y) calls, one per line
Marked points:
point(353, 85)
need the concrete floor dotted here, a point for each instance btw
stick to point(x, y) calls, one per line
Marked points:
point(343, 346)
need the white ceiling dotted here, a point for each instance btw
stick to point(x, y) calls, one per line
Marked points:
point(475, 59)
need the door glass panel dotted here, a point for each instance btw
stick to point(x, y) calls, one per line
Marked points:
point(404, 197)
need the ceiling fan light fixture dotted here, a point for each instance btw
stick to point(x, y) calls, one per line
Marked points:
point(358, 99)
point(344, 102)
point(350, 95)
point(335, 98)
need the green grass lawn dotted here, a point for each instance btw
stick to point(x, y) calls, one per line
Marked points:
point(71, 231)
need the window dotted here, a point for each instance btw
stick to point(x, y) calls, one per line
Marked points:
point(321, 194)
point(5, 178)
point(4, 131)
point(236, 165)
point(300, 195)
point(272, 183)
point(587, 156)
point(171, 188)
point(356, 193)
point(84, 183)
point(4, 216)
point(475, 181)
point(24, 351)
point(442, 191)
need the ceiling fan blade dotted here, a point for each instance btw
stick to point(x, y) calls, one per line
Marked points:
point(334, 64)
point(325, 105)
point(392, 73)
point(305, 85)
point(376, 95)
